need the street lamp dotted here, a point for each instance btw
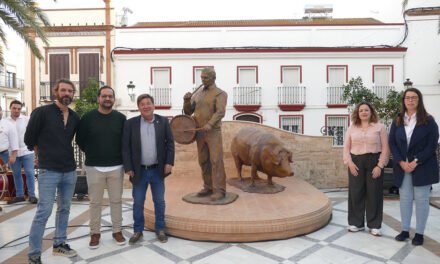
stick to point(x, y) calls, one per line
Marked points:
point(130, 89)
point(408, 83)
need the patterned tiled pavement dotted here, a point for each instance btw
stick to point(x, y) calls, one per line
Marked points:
point(331, 244)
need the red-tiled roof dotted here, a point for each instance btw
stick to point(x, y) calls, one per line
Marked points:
point(261, 23)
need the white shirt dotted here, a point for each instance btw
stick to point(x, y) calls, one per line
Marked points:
point(8, 136)
point(20, 124)
point(410, 123)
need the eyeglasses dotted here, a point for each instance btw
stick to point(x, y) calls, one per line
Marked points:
point(411, 98)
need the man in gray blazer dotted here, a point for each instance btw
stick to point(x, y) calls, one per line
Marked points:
point(148, 156)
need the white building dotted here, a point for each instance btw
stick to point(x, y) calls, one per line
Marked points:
point(80, 43)
point(11, 79)
point(282, 73)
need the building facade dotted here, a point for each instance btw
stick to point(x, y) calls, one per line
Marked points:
point(283, 73)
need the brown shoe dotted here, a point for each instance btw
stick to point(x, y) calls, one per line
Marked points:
point(204, 192)
point(119, 238)
point(217, 196)
point(17, 200)
point(161, 236)
point(135, 238)
point(94, 241)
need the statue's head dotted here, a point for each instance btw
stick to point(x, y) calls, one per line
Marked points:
point(208, 76)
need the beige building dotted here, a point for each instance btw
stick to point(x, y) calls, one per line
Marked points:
point(80, 41)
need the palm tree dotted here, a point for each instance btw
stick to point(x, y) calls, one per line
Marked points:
point(23, 17)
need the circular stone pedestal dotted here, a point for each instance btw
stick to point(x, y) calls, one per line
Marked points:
point(298, 210)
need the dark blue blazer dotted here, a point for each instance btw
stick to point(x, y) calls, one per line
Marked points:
point(131, 145)
point(422, 145)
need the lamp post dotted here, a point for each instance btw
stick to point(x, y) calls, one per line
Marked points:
point(130, 89)
point(408, 83)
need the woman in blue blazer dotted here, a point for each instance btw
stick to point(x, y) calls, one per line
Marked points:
point(413, 141)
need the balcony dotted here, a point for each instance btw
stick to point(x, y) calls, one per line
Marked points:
point(46, 89)
point(162, 97)
point(291, 98)
point(334, 97)
point(10, 82)
point(382, 91)
point(247, 99)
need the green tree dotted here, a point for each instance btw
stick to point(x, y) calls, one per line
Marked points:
point(387, 109)
point(23, 16)
point(88, 99)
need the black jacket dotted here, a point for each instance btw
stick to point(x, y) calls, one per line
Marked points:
point(422, 146)
point(131, 145)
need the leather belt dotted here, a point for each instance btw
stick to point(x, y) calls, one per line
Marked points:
point(149, 167)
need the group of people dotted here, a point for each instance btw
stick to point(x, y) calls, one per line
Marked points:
point(13, 151)
point(141, 147)
point(412, 142)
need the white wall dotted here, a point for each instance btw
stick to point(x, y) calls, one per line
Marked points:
point(137, 67)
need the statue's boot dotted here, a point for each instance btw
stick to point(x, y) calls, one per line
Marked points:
point(204, 192)
point(217, 196)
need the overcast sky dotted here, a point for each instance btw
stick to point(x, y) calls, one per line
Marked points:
point(175, 10)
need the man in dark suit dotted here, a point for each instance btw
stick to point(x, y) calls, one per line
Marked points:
point(148, 156)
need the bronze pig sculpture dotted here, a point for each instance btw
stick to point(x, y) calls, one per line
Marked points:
point(263, 152)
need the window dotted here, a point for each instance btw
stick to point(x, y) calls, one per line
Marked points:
point(247, 76)
point(383, 75)
point(197, 72)
point(250, 117)
point(160, 89)
point(336, 126)
point(291, 75)
point(337, 75)
point(161, 77)
point(292, 123)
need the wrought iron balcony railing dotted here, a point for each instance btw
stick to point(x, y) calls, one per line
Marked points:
point(162, 97)
point(334, 96)
point(291, 98)
point(8, 81)
point(382, 91)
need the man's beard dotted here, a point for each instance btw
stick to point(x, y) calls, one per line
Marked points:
point(107, 105)
point(66, 100)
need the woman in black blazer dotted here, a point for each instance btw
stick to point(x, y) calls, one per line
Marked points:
point(413, 141)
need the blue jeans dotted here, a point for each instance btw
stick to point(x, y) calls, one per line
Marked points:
point(50, 183)
point(5, 157)
point(420, 194)
point(152, 177)
point(28, 164)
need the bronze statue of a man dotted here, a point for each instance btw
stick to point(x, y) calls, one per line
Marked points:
point(208, 105)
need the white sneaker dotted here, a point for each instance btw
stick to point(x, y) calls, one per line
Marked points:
point(375, 231)
point(353, 228)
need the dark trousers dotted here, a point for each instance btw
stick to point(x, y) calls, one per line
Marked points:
point(365, 194)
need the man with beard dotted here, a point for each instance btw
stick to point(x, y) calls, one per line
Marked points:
point(50, 133)
point(25, 157)
point(100, 137)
